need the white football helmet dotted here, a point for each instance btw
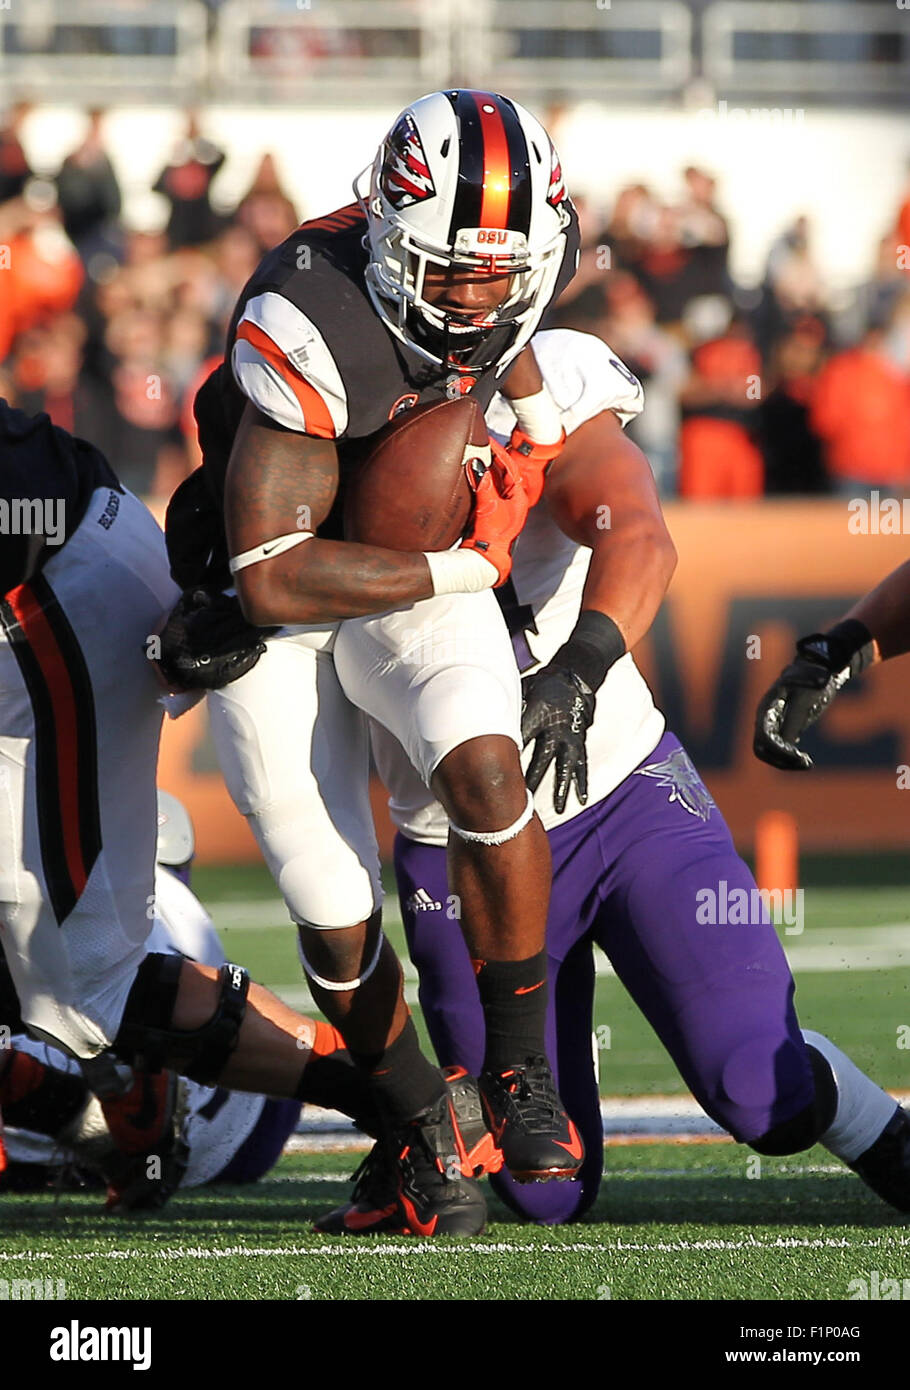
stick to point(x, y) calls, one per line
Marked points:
point(466, 179)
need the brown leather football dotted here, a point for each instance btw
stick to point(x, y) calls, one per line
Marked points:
point(410, 489)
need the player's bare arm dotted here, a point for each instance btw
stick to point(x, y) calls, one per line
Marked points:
point(876, 628)
point(885, 612)
point(601, 493)
point(276, 477)
point(523, 378)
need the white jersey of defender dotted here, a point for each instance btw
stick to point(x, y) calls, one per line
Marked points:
point(217, 1124)
point(585, 378)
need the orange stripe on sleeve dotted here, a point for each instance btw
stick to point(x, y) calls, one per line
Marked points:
point(40, 637)
point(316, 415)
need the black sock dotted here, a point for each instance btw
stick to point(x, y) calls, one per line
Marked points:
point(514, 998)
point(336, 1084)
point(402, 1080)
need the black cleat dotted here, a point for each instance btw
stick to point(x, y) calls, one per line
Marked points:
point(475, 1145)
point(528, 1122)
point(885, 1166)
point(373, 1208)
point(150, 1155)
point(411, 1183)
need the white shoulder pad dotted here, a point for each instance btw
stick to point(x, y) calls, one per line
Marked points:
point(584, 376)
point(282, 363)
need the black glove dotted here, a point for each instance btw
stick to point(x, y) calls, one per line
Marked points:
point(804, 690)
point(557, 711)
point(207, 642)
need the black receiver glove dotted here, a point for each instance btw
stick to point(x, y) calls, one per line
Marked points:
point(558, 705)
point(207, 642)
point(803, 691)
point(557, 711)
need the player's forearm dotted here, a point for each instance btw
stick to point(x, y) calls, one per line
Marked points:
point(885, 612)
point(523, 378)
point(631, 568)
point(324, 581)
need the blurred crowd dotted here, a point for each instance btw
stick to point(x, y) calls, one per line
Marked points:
point(112, 327)
point(777, 389)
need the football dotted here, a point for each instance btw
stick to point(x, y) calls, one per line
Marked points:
point(410, 490)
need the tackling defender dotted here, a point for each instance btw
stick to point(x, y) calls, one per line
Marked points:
point(84, 585)
point(430, 285)
point(636, 842)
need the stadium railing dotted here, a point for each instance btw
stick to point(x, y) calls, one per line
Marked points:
point(578, 48)
point(819, 50)
point(381, 49)
point(55, 49)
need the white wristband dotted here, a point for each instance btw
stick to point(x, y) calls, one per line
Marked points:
point(460, 571)
point(539, 417)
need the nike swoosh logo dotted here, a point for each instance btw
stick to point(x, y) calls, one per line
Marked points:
point(267, 549)
point(363, 1220)
point(575, 1148)
point(529, 989)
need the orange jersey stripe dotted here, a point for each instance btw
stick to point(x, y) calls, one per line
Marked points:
point(316, 415)
point(40, 637)
point(497, 183)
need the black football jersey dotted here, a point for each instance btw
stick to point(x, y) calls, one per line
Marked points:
point(306, 346)
point(46, 480)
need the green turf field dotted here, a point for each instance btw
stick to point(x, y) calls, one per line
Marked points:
point(674, 1221)
point(862, 1009)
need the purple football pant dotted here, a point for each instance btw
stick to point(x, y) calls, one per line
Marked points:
point(625, 876)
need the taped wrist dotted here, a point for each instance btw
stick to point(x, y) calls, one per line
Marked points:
point(538, 417)
point(846, 646)
point(593, 647)
point(460, 571)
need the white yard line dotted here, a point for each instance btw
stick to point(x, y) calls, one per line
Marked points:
point(418, 1247)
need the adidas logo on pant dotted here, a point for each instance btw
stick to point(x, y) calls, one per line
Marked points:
point(422, 902)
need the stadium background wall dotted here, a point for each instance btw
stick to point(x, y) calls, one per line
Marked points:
point(772, 572)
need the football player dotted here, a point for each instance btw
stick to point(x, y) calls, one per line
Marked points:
point(877, 628)
point(55, 1121)
point(635, 836)
point(85, 586)
point(213, 1135)
point(431, 284)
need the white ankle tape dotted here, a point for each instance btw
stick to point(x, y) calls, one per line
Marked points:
point(497, 837)
point(337, 986)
